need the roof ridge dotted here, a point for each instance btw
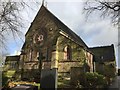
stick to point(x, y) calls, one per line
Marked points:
point(60, 24)
point(71, 32)
point(112, 45)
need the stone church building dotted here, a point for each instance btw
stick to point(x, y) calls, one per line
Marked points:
point(59, 46)
point(50, 44)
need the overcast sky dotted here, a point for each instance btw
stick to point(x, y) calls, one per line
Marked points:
point(95, 32)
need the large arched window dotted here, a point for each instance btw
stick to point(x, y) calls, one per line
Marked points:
point(67, 53)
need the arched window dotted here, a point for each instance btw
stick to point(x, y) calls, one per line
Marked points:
point(67, 53)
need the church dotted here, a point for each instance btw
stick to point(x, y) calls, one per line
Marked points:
point(57, 44)
point(50, 44)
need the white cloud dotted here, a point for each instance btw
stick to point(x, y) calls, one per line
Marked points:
point(16, 53)
point(70, 13)
point(101, 33)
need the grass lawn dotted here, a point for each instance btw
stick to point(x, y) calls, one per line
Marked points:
point(9, 73)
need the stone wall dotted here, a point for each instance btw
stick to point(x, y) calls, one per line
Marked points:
point(66, 66)
point(77, 52)
point(46, 65)
point(107, 68)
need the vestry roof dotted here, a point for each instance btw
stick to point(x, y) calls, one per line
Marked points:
point(103, 53)
point(12, 58)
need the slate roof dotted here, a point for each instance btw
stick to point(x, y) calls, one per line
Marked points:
point(43, 11)
point(12, 58)
point(103, 53)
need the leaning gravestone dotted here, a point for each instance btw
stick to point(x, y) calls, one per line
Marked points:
point(48, 79)
point(25, 87)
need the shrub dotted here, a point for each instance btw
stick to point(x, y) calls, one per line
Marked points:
point(95, 79)
point(92, 80)
point(7, 76)
point(4, 80)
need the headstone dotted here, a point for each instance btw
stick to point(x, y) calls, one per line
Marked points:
point(48, 79)
point(75, 74)
point(25, 87)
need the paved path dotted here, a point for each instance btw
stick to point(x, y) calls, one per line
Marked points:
point(116, 84)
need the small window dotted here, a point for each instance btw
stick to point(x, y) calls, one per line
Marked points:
point(67, 53)
point(13, 65)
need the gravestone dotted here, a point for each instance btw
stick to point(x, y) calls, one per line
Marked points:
point(48, 79)
point(25, 87)
point(75, 74)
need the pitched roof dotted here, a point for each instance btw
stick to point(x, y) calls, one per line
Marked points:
point(12, 58)
point(103, 53)
point(44, 11)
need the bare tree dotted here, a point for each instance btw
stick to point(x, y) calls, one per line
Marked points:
point(11, 20)
point(108, 8)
